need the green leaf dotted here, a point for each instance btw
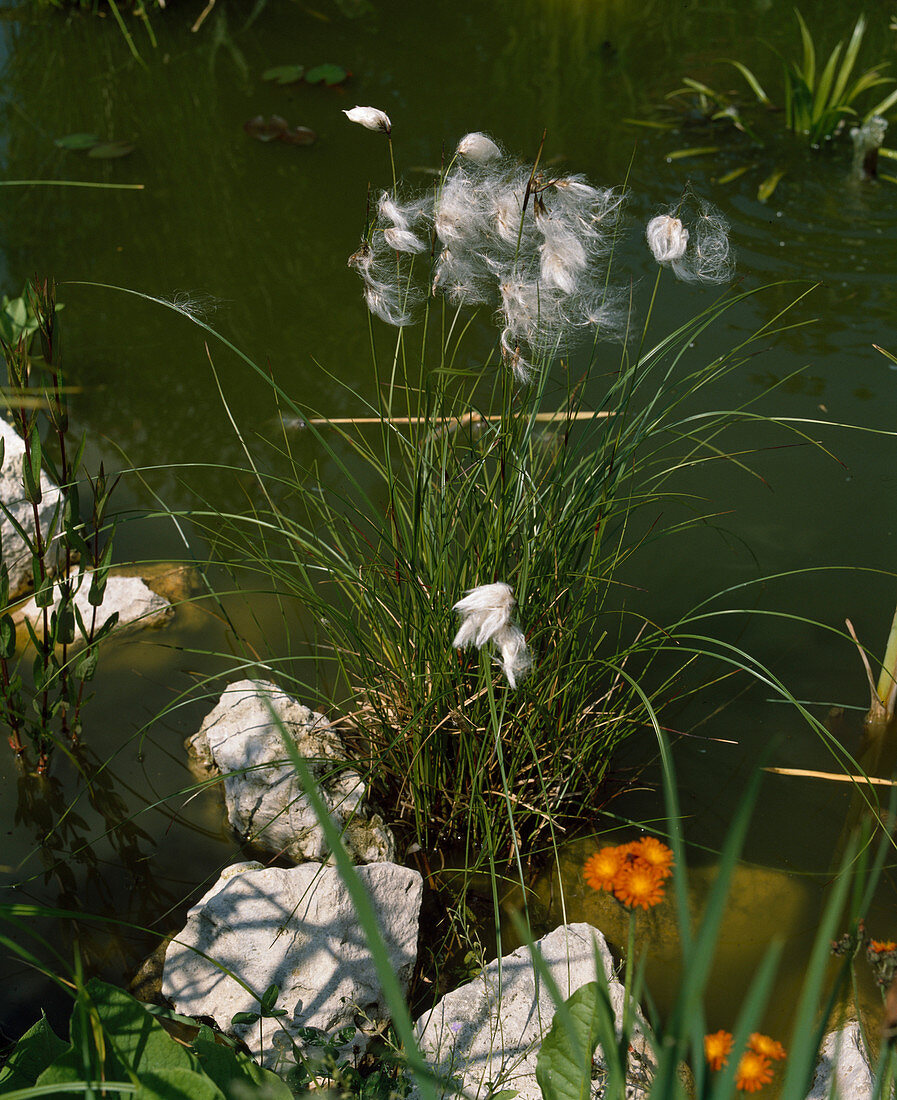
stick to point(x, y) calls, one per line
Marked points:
point(326, 74)
point(138, 1041)
point(177, 1084)
point(77, 141)
point(284, 74)
point(31, 467)
point(244, 1018)
point(697, 151)
point(755, 84)
point(86, 664)
point(226, 1065)
point(766, 188)
point(7, 639)
point(564, 1065)
point(109, 150)
point(32, 1054)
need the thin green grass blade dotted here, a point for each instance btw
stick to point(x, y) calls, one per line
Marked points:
point(808, 66)
point(850, 58)
point(824, 99)
point(882, 107)
point(755, 85)
point(808, 1028)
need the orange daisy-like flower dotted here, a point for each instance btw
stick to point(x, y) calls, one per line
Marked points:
point(717, 1048)
point(880, 946)
point(655, 853)
point(766, 1047)
point(754, 1071)
point(601, 869)
point(637, 884)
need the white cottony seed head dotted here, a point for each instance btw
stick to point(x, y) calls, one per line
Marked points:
point(480, 148)
point(486, 617)
point(667, 238)
point(371, 118)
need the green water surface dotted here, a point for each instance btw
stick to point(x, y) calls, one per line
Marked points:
point(255, 235)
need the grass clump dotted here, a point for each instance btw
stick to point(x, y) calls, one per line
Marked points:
point(503, 484)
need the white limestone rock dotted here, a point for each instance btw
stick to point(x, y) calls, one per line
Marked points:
point(295, 927)
point(136, 603)
point(16, 554)
point(265, 800)
point(843, 1072)
point(490, 1043)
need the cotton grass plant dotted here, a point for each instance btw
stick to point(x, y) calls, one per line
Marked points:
point(472, 474)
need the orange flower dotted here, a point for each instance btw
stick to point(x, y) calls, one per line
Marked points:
point(717, 1048)
point(766, 1047)
point(655, 853)
point(601, 869)
point(637, 884)
point(880, 946)
point(754, 1071)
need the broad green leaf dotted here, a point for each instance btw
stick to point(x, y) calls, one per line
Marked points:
point(241, 1019)
point(284, 74)
point(326, 74)
point(109, 150)
point(564, 1065)
point(177, 1084)
point(138, 1041)
point(226, 1065)
point(77, 141)
point(33, 1053)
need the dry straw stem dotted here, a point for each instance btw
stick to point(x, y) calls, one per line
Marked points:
point(460, 421)
point(835, 777)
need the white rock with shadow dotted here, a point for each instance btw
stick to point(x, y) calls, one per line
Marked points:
point(295, 927)
point(843, 1072)
point(487, 1034)
point(241, 738)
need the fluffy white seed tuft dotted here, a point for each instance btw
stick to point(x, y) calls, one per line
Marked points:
point(667, 238)
point(486, 617)
point(371, 118)
point(480, 148)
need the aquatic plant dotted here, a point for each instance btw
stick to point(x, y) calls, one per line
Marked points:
point(818, 101)
point(67, 553)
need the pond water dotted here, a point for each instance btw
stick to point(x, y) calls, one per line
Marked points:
point(257, 234)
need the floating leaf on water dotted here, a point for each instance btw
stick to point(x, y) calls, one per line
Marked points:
point(266, 129)
point(735, 173)
point(697, 151)
point(887, 179)
point(109, 150)
point(299, 135)
point(766, 188)
point(77, 141)
point(891, 154)
point(326, 74)
point(284, 74)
